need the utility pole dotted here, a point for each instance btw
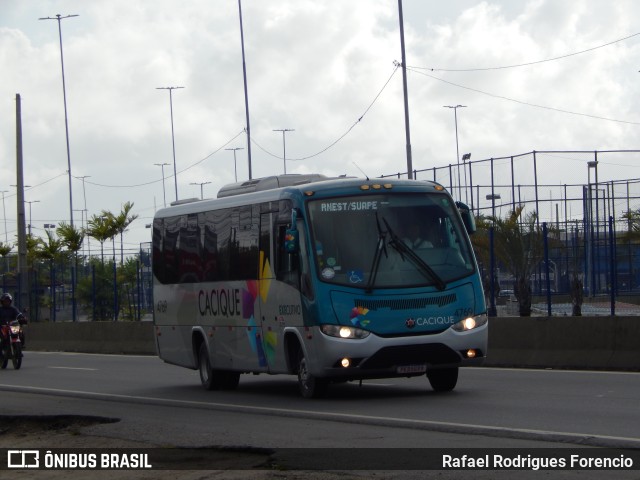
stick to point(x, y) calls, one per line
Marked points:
point(406, 95)
point(284, 146)
point(59, 18)
point(173, 142)
point(235, 164)
point(23, 268)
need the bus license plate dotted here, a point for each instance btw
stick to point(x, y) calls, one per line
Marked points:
point(412, 369)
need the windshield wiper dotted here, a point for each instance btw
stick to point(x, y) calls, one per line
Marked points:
point(380, 248)
point(397, 243)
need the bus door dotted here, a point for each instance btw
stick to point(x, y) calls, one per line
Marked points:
point(279, 298)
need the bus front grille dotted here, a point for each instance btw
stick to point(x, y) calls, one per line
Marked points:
point(405, 303)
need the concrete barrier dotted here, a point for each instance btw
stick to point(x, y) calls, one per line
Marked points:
point(609, 343)
point(136, 338)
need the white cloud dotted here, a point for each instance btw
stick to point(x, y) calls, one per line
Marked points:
point(313, 67)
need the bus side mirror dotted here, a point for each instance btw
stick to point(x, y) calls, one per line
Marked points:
point(467, 218)
point(291, 240)
point(292, 236)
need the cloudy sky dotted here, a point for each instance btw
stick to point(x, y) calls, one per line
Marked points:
point(533, 75)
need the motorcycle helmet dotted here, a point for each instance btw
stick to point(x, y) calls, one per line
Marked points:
point(6, 296)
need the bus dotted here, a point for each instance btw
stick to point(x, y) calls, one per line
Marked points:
point(330, 279)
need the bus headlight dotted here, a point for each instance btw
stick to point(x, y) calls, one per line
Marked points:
point(469, 323)
point(343, 331)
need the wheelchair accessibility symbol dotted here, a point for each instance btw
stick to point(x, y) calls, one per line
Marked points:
point(356, 276)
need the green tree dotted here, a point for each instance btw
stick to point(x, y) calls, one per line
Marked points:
point(518, 244)
point(72, 238)
point(101, 228)
point(5, 249)
point(120, 223)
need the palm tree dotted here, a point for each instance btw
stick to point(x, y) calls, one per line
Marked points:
point(5, 249)
point(100, 228)
point(72, 239)
point(519, 245)
point(120, 223)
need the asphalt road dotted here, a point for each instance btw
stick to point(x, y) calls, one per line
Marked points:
point(493, 408)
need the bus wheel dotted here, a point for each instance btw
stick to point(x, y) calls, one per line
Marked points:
point(443, 379)
point(310, 386)
point(229, 380)
point(215, 379)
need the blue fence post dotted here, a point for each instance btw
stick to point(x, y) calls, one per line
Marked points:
point(545, 241)
point(492, 312)
point(612, 266)
point(93, 290)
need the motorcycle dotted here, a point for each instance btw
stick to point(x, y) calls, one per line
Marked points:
point(11, 342)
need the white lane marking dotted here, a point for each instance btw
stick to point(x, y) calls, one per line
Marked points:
point(74, 368)
point(349, 417)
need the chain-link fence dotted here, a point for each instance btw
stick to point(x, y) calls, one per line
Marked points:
point(106, 287)
point(592, 228)
point(590, 234)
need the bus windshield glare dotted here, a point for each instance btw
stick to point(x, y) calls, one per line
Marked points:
point(389, 241)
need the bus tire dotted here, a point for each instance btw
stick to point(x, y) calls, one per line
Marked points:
point(310, 386)
point(229, 380)
point(443, 379)
point(212, 379)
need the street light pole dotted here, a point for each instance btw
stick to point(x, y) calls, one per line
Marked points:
point(284, 145)
point(201, 189)
point(30, 202)
point(173, 143)
point(4, 210)
point(455, 113)
point(406, 94)
point(59, 18)
point(85, 212)
point(235, 164)
point(164, 195)
point(246, 94)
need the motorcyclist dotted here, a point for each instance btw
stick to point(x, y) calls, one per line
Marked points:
point(9, 312)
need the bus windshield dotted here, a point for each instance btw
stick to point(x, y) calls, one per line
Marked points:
point(389, 241)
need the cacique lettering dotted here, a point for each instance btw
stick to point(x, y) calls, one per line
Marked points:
point(421, 321)
point(223, 302)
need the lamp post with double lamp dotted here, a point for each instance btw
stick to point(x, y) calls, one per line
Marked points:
point(30, 202)
point(455, 114)
point(201, 190)
point(284, 145)
point(465, 157)
point(173, 143)
point(235, 164)
point(4, 211)
point(492, 311)
point(164, 195)
point(59, 18)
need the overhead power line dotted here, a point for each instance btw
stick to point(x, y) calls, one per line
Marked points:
point(561, 57)
point(169, 176)
point(396, 66)
point(502, 97)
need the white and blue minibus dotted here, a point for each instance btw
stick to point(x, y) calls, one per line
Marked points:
point(331, 280)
